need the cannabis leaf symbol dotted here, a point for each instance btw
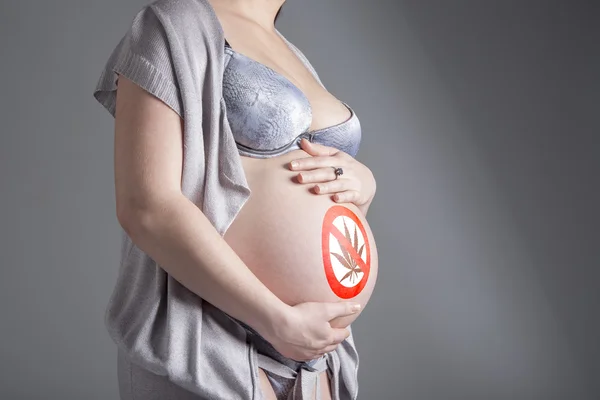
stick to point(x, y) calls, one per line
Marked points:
point(346, 259)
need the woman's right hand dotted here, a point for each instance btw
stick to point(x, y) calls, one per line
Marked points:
point(304, 333)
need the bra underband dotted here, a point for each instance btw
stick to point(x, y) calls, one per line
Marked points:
point(269, 115)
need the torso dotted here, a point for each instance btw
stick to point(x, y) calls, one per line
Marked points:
point(278, 233)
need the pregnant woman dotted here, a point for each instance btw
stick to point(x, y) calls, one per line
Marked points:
point(246, 253)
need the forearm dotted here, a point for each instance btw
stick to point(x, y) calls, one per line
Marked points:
point(179, 237)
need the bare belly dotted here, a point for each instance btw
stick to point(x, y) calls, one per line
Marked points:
point(302, 246)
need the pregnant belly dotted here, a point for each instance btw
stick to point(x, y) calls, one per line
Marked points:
point(302, 246)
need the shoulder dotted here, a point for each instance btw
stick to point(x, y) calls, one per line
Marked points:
point(167, 41)
point(180, 29)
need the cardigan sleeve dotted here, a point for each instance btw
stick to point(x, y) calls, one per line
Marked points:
point(143, 56)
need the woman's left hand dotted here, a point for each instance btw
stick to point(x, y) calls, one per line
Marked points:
point(356, 185)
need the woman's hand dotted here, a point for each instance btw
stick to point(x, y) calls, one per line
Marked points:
point(304, 332)
point(356, 185)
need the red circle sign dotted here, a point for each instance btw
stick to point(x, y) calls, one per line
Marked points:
point(346, 252)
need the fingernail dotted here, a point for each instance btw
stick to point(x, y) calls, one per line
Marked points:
point(355, 307)
point(318, 189)
point(294, 164)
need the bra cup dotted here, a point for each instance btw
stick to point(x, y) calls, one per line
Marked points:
point(345, 137)
point(268, 114)
point(265, 111)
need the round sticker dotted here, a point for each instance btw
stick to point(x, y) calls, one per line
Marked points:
point(346, 252)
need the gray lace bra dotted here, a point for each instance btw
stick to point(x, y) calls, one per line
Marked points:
point(269, 115)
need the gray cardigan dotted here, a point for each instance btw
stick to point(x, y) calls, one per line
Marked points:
point(174, 50)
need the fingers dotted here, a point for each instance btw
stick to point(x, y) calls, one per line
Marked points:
point(315, 149)
point(340, 309)
point(342, 194)
point(344, 190)
point(336, 186)
point(347, 196)
point(321, 161)
point(310, 333)
point(323, 174)
point(329, 348)
point(339, 335)
point(325, 350)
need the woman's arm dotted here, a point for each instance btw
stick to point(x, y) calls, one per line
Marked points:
point(166, 225)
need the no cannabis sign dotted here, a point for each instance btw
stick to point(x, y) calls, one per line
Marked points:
point(346, 252)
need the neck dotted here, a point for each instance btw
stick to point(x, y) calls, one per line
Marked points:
point(261, 11)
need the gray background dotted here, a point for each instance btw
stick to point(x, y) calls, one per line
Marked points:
point(480, 122)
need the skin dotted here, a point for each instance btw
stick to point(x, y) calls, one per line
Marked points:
point(162, 222)
point(356, 185)
point(279, 210)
